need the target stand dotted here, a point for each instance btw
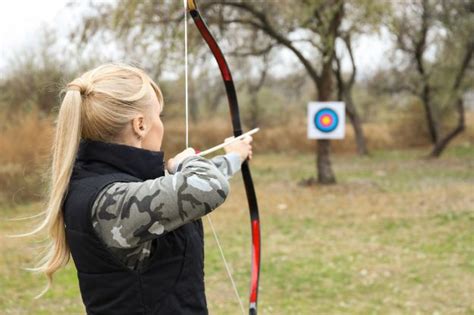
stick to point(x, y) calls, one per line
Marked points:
point(326, 120)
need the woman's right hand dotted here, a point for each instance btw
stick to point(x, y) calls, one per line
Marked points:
point(173, 163)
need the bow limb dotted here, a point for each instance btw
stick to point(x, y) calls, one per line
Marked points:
point(245, 169)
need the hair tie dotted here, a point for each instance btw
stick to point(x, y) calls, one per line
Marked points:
point(74, 87)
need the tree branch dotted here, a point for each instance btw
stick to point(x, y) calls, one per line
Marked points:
point(265, 26)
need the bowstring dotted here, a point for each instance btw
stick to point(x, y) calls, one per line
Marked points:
point(227, 268)
point(186, 71)
point(214, 232)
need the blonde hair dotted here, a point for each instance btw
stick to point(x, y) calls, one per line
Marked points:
point(97, 105)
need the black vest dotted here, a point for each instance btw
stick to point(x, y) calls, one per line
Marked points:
point(173, 280)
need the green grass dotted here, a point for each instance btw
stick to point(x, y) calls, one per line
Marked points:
point(394, 236)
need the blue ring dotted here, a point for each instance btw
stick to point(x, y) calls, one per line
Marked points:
point(330, 112)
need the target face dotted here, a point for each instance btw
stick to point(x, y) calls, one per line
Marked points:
point(326, 120)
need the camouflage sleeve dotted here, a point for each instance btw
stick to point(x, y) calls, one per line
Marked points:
point(128, 214)
point(228, 164)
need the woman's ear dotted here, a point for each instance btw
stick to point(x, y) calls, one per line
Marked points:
point(139, 127)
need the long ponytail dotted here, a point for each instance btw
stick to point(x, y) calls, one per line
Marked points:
point(64, 150)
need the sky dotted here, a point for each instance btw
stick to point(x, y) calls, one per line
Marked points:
point(21, 20)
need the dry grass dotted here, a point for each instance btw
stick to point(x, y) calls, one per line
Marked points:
point(394, 236)
point(25, 143)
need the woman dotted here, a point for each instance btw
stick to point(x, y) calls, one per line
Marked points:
point(134, 233)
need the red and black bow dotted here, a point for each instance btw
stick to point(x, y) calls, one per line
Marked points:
point(246, 175)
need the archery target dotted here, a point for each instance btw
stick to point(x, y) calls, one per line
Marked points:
point(326, 120)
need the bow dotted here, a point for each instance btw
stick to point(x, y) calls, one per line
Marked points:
point(237, 128)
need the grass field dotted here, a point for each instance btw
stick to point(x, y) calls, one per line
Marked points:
point(394, 236)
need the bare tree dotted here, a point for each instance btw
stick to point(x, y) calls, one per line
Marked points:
point(344, 93)
point(319, 21)
point(456, 99)
point(418, 28)
point(411, 32)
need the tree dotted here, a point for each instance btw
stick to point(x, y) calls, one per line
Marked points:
point(458, 19)
point(317, 22)
point(362, 17)
point(424, 26)
point(344, 93)
point(32, 77)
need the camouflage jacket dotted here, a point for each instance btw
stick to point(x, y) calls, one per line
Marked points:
point(122, 209)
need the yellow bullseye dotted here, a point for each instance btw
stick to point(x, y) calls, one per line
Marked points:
point(326, 120)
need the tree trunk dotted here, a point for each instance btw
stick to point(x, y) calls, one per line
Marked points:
point(443, 143)
point(325, 173)
point(323, 148)
point(344, 93)
point(432, 121)
point(356, 125)
point(419, 52)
